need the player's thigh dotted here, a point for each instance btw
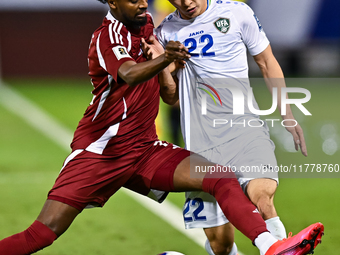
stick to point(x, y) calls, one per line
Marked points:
point(167, 167)
point(185, 178)
point(156, 166)
point(261, 188)
point(190, 173)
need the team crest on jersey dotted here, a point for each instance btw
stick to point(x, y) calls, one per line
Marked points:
point(223, 25)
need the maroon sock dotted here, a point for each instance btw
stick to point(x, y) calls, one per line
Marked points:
point(236, 206)
point(35, 238)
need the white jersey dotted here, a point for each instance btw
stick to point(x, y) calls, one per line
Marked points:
point(215, 78)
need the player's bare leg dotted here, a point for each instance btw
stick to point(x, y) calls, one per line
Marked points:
point(57, 216)
point(182, 179)
point(261, 193)
point(54, 220)
point(220, 239)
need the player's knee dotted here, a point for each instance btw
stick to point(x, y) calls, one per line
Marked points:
point(265, 204)
point(220, 240)
point(261, 193)
point(221, 248)
point(266, 208)
point(261, 190)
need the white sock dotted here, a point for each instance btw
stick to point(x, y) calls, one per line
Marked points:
point(210, 251)
point(208, 248)
point(264, 241)
point(276, 228)
point(233, 250)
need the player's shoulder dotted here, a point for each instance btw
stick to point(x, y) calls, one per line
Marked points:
point(111, 23)
point(232, 6)
point(235, 5)
point(149, 17)
point(169, 20)
point(239, 12)
point(149, 27)
point(150, 22)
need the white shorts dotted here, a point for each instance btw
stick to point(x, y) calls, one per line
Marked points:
point(248, 155)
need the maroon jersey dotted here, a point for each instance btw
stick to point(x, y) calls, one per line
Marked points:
point(115, 144)
point(119, 117)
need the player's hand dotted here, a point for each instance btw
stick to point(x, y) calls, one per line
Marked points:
point(179, 63)
point(176, 51)
point(176, 65)
point(299, 139)
point(151, 49)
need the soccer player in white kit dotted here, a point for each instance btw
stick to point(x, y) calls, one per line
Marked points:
point(218, 35)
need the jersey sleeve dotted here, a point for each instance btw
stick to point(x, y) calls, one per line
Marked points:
point(160, 35)
point(251, 29)
point(112, 51)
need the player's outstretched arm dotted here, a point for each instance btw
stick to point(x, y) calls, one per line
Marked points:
point(135, 73)
point(274, 78)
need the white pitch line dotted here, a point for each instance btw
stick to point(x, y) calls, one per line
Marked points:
point(172, 215)
point(35, 116)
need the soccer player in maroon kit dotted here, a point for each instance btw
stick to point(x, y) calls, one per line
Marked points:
point(115, 144)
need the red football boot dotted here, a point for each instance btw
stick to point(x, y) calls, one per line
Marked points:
point(300, 244)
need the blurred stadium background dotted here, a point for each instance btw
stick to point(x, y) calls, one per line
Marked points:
point(43, 61)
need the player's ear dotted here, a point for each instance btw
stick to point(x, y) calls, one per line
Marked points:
point(112, 4)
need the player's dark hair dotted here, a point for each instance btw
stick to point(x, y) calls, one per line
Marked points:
point(102, 1)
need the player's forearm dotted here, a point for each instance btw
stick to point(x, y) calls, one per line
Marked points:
point(279, 83)
point(168, 87)
point(134, 74)
point(274, 78)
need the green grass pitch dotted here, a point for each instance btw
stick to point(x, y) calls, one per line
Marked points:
point(29, 163)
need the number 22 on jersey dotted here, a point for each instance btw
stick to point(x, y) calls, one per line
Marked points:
point(207, 41)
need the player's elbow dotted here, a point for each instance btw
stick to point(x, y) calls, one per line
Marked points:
point(131, 79)
point(264, 69)
point(129, 74)
point(169, 100)
point(169, 96)
point(132, 82)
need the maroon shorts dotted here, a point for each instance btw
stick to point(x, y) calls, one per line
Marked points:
point(91, 179)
